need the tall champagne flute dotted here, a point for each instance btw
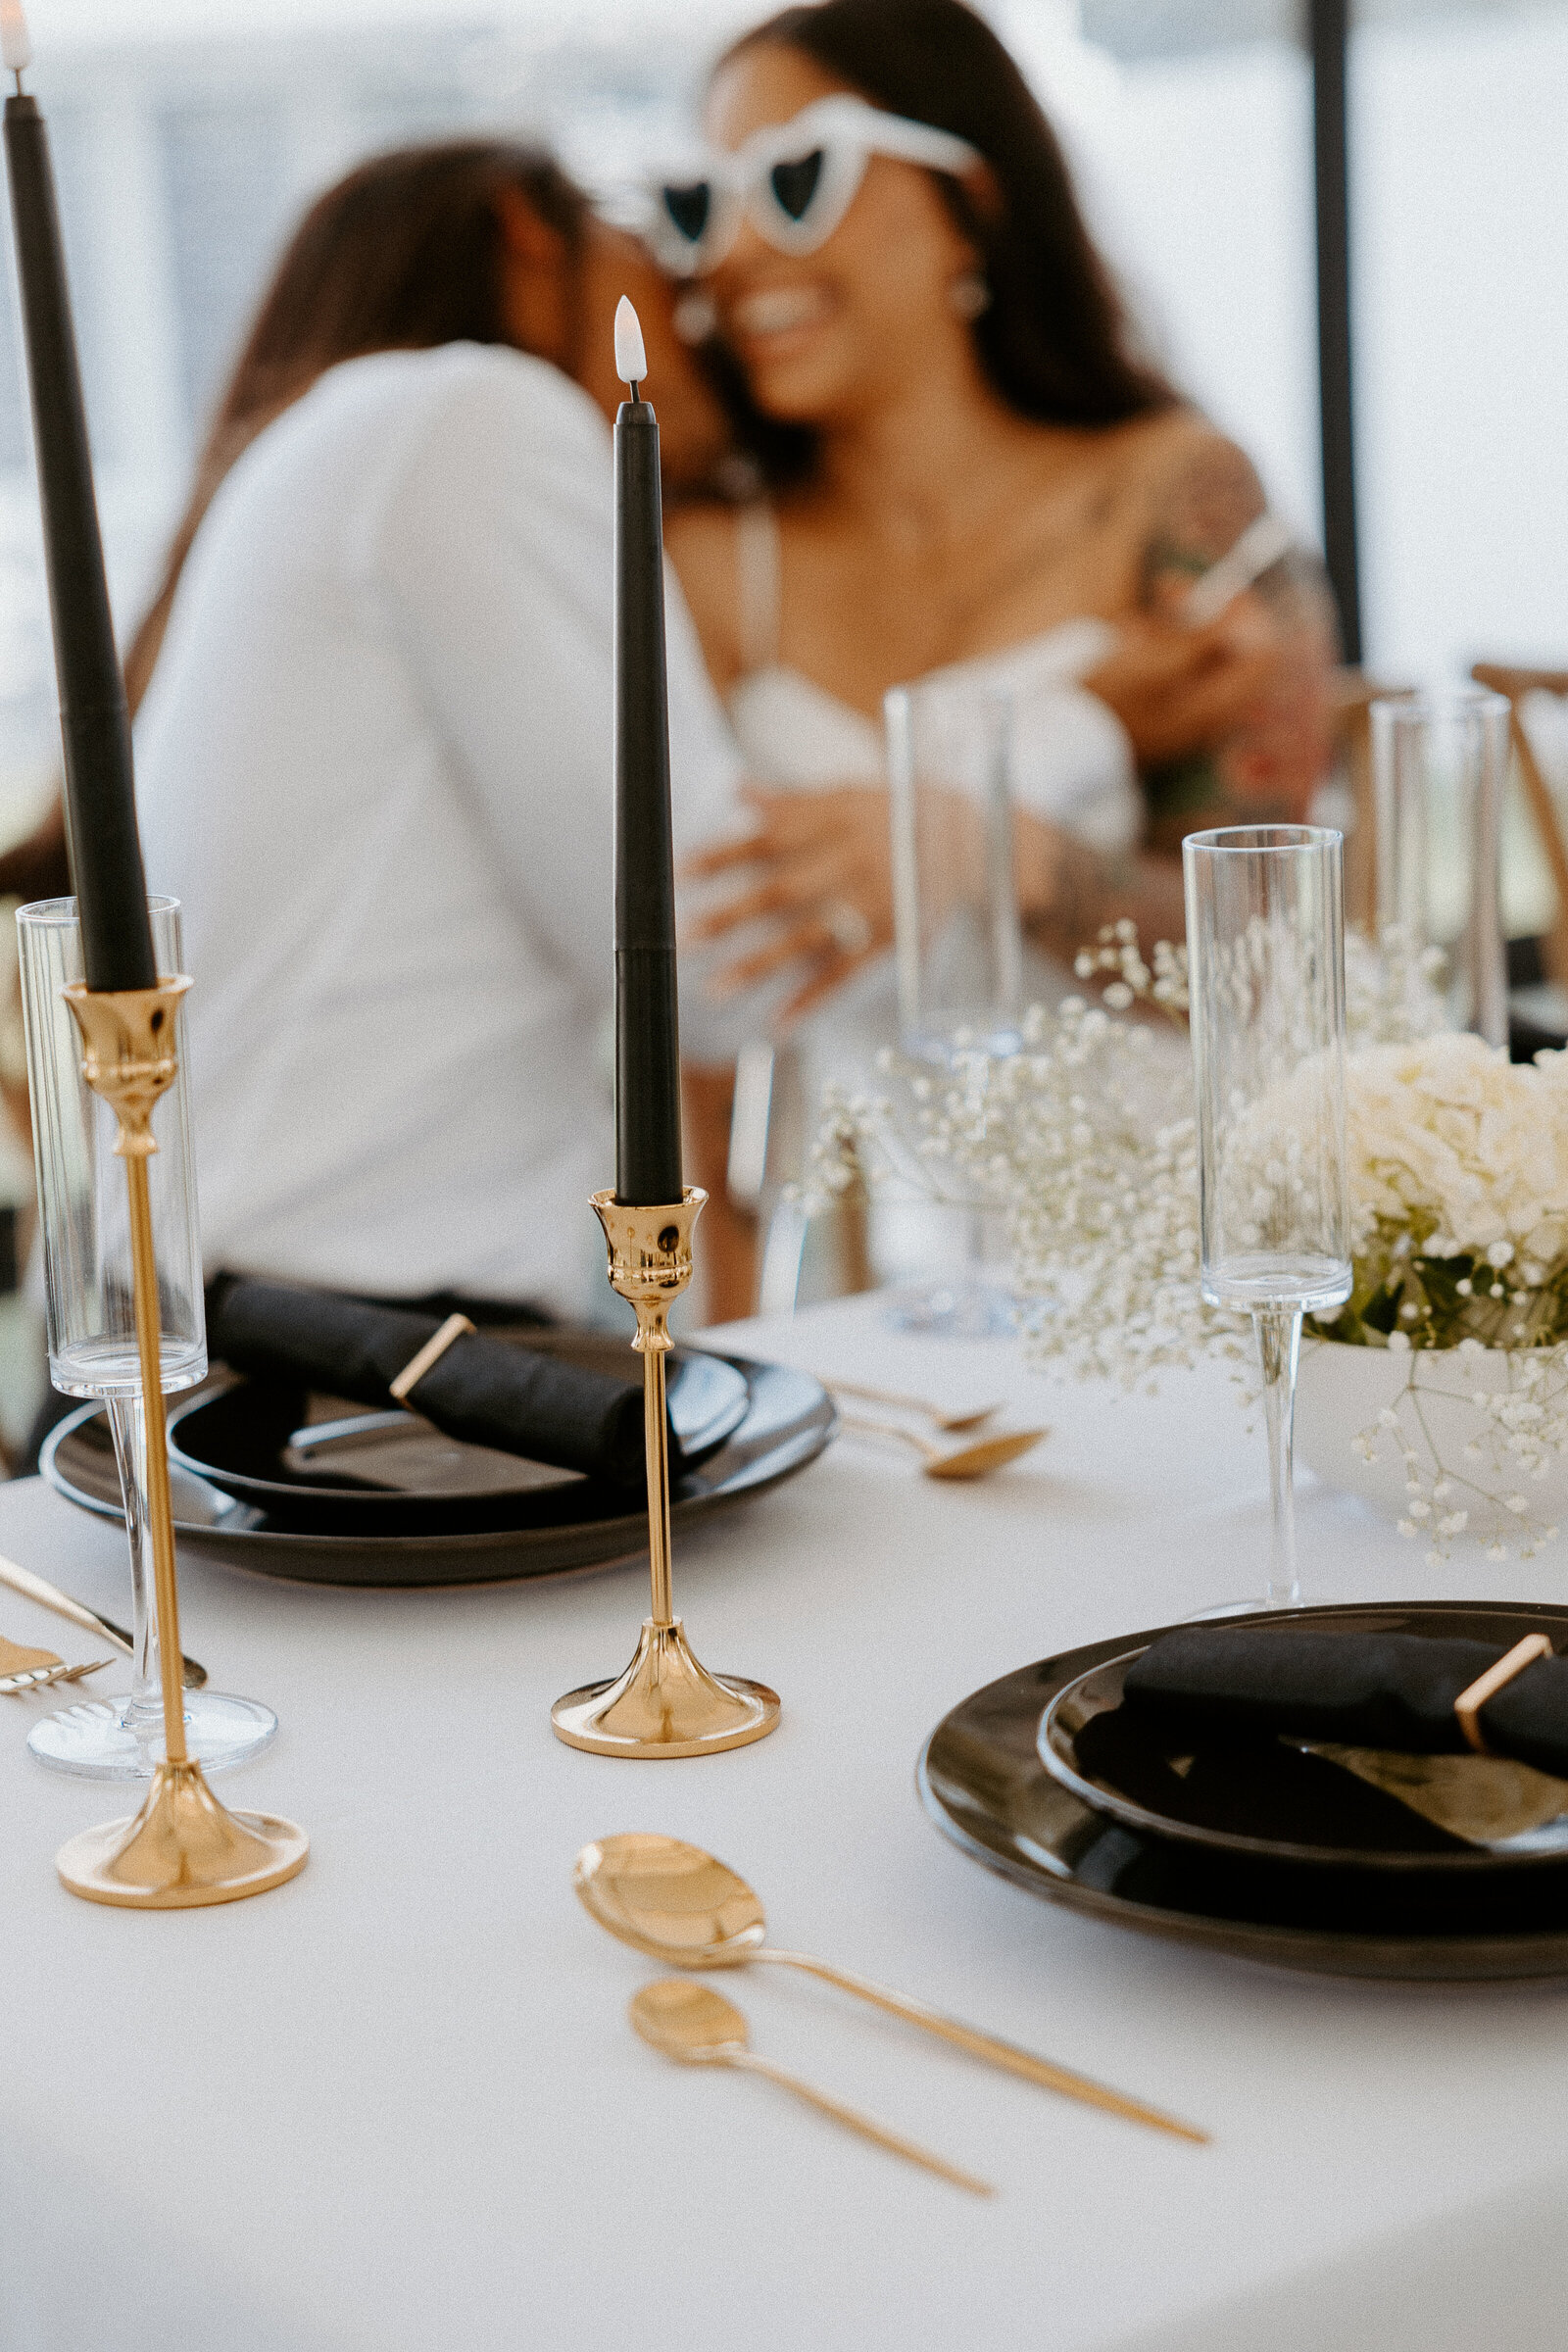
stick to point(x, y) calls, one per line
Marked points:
point(1265, 941)
point(92, 1341)
point(1440, 767)
point(957, 944)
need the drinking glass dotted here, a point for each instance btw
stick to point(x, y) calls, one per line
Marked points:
point(958, 946)
point(1265, 941)
point(1440, 764)
point(85, 1225)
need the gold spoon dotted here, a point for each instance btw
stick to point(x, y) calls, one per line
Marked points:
point(955, 1422)
point(682, 1906)
point(697, 2026)
point(941, 1461)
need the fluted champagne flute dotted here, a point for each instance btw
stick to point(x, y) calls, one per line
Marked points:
point(1265, 940)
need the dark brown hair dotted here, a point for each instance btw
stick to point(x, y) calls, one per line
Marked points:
point(1055, 340)
point(404, 254)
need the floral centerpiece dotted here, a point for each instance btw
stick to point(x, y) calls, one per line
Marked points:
point(1443, 1381)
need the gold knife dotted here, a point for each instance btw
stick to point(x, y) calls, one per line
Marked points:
point(49, 1597)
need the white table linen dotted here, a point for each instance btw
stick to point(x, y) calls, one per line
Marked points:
point(396, 2104)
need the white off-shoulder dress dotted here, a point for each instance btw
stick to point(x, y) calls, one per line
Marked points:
point(1073, 767)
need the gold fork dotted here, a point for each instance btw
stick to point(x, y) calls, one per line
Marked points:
point(976, 1460)
point(955, 1422)
point(34, 1669)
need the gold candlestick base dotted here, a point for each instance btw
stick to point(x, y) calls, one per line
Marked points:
point(666, 1704)
point(182, 1848)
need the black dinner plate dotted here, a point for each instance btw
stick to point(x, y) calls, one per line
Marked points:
point(981, 1779)
point(789, 1420)
point(325, 1467)
point(1262, 1799)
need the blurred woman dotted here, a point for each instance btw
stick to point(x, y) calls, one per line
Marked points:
point(969, 469)
point(374, 743)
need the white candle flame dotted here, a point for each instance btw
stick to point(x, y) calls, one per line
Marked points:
point(16, 43)
point(631, 361)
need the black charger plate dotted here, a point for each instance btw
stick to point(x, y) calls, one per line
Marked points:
point(789, 1420)
point(1262, 1799)
point(981, 1779)
point(358, 1472)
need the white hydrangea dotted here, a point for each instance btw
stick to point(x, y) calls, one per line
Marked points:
point(1445, 1132)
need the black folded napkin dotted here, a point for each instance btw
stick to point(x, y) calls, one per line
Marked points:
point(519, 1399)
point(1394, 1690)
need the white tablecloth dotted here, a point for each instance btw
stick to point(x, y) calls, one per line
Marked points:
point(396, 2104)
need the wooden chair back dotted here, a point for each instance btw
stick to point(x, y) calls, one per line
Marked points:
point(1515, 684)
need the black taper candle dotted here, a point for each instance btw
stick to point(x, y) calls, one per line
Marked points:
point(648, 1168)
point(94, 723)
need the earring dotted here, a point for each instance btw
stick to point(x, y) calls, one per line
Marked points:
point(970, 295)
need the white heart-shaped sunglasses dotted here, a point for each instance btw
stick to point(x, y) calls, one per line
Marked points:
point(794, 182)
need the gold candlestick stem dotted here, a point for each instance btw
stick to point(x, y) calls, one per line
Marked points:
point(666, 1704)
point(183, 1847)
point(656, 1452)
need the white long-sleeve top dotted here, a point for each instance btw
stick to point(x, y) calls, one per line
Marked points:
point(375, 767)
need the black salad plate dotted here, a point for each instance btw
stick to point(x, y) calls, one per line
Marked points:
point(981, 1779)
point(1270, 1800)
point(332, 1468)
point(788, 1421)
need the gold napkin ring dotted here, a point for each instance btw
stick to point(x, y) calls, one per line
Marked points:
point(434, 1348)
point(1469, 1703)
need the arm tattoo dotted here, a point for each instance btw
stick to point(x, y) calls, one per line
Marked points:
point(1200, 514)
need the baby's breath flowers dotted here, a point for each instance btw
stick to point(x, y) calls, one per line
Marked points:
point(1521, 1429)
point(1085, 1138)
point(1119, 953)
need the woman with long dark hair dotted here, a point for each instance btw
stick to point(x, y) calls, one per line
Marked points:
point(967, 463)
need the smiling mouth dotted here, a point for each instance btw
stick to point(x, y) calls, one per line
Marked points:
point(780, 310)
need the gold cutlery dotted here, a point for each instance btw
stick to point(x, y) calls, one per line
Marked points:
point(697, 2027)
point(32, 1669)
point(50, 1597)
point(943, 1462)
point(681, 1906)
point(955, 1422)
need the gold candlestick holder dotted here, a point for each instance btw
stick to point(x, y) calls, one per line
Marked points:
point(183, 1847)
point(666, 1704)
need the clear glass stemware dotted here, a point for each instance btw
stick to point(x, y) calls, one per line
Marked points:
point(957, 944)
point(85, 1235)
point(1266, 940)
point(1439, 766)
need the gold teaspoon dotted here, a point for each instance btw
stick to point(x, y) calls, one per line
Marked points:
point(683, 1907)
point(697, 2026)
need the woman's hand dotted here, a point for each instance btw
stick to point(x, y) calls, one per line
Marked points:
point(1178, 690)
point(819, 868)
